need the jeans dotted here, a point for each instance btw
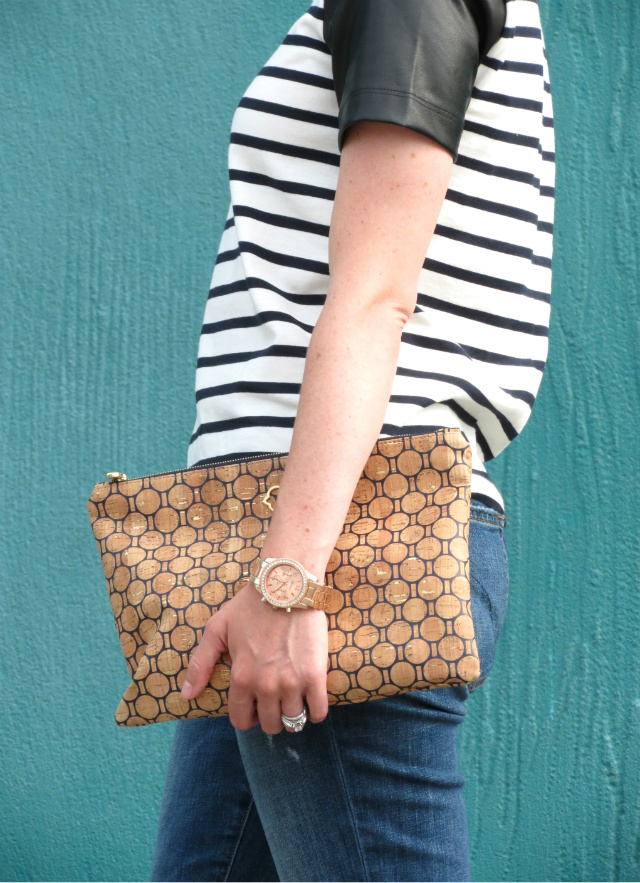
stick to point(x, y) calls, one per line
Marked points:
point(372, 792)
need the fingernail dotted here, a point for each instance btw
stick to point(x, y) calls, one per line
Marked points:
point(187, 690)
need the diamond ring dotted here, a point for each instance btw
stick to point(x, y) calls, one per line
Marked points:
point(295, 723)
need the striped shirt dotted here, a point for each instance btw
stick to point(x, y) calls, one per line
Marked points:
point(473, 352)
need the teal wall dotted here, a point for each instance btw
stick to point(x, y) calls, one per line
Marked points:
point(113, 136)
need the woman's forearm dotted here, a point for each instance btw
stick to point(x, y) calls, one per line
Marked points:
point(390, 191)
point(349, 371)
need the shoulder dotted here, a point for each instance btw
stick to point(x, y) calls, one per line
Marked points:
point(410, 62)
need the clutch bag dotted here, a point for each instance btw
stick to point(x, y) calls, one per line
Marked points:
point(175, 546)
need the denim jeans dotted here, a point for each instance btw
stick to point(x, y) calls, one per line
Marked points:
point(372, 792)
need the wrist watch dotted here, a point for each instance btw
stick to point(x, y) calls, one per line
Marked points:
point(284, 582)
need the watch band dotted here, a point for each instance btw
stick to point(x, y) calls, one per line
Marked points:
point(316, 596)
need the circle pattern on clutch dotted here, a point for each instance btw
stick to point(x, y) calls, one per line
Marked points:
point(176, 546)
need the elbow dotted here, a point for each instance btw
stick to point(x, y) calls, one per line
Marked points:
point(399, 304)
point(393, 304)
point(406, 309)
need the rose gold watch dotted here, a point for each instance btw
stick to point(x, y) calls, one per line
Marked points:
point(284, 582)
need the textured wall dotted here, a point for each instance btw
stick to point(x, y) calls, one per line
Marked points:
point(113, 139)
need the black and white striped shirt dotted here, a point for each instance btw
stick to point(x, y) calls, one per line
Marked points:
point(473, 352)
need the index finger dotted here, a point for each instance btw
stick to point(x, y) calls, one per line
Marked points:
point(204, 657)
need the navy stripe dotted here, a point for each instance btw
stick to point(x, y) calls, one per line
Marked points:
point(521, 394)
point(255, 321)
point(229, 223)
point(504, 322)
point(516, 67)
point(521, 31)
point(477, 165)
point(486, 205)
point(500, 135)
point(301, 188)
point(294, 298)
point(228, 288)
point(316, 12)
point(469, 352)
point(488, 501)
point(309, 42)
point(287, 73)
point(309, 153)
point(281, 220)
point(507, 100)
point(520, 251)
point(230, 255)
point(249, 386)
point(423, 401)
point(260, 421)
point(291, 113)
point(276, 350)
point(483, 279)
point(545, 227)
point(285, 260)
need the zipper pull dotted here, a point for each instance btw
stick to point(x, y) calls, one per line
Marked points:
point(116, 476)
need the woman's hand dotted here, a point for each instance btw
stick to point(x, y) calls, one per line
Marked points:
point(279, 659)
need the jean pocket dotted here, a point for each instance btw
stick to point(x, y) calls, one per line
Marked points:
point(489, 578)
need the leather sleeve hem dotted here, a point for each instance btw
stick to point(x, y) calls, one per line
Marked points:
point(404, 109)
point(409, 62)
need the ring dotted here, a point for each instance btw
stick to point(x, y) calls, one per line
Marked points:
point(296, 723)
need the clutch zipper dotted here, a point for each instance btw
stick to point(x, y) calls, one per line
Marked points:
point(120, 476)
point(115, 477)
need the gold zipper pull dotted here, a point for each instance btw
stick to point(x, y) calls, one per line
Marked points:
point(266, 499)
point(116, 476)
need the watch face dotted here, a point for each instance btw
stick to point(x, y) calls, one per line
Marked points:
point(284, 584)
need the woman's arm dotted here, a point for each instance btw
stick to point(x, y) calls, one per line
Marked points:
point(391, 186)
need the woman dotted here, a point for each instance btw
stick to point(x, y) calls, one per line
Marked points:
point(380, 132)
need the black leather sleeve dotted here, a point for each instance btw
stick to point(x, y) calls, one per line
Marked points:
point(409, 62)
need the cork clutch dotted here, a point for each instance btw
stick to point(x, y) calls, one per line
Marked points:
point(175, 546)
